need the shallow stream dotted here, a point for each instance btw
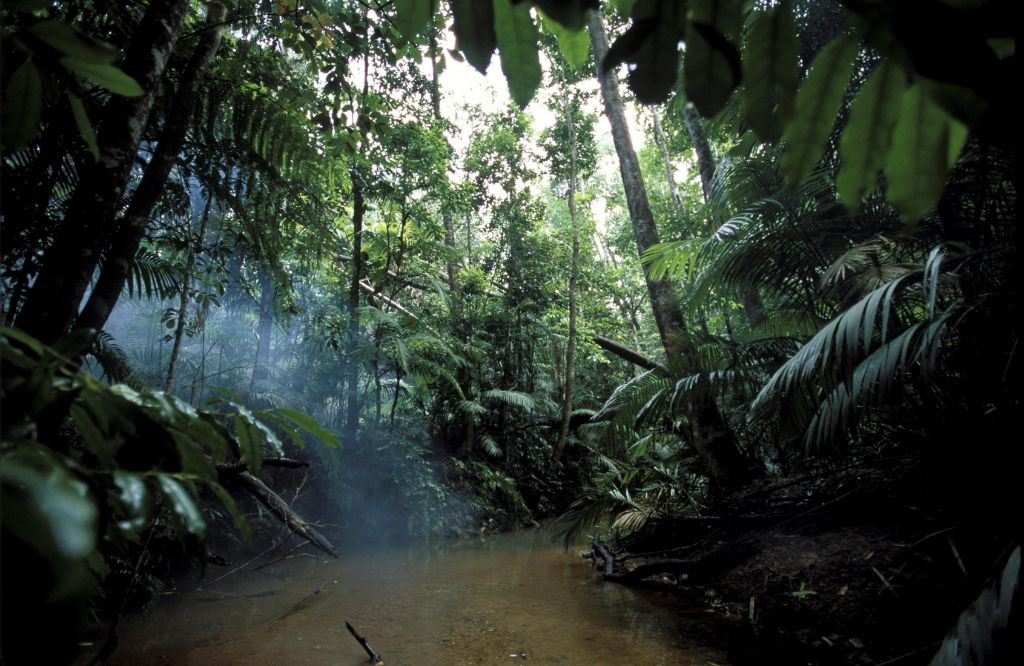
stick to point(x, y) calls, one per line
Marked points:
point(511, 599)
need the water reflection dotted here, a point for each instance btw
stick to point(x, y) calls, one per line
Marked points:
point(512, 599)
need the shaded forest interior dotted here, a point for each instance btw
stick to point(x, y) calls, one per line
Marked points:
point(724, 292)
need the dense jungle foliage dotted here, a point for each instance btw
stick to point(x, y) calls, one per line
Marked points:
point(264, 238)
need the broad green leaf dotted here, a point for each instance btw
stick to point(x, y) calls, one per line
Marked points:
point(23, 101)
point(517, 47)
point(712, 63)
point(570, 13)
point(96, 441)
point(957, 138)
point(70, 42)
point(574, 45)
point(868, 133)
point(474, 31)
point(229, 504)
point(919, 157)
point(133, 499)
point(660, 25)
point(183, 503)
point(250, 445)
point(47, 507)
point(84, 126)
point(310, 425)
point(105, 76)
point(771, 64)
point(817, 105)
point(193, 459)
point(413, 17)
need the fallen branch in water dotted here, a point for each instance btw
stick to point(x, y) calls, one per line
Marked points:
point(609, 560)
point(280, 508)
point(374, 655)
point(305, 601)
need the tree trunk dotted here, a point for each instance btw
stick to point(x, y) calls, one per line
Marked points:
point(130, 231)
point(69, 263)
point(753, 308)
point(712, 437)
point(264, 330)
point(190, 260)
point(570, 347)
point(699, 138)
point(352, 365)
point(451, 266)
point(659, 139)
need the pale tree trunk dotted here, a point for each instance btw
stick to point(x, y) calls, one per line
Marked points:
point(570, 348)
point(699, 138)
point(264, 330)
point(711, 436)
point(130, 231)
point(451, 266)
point(186, 280)
point(69, 263)
point(670, 176)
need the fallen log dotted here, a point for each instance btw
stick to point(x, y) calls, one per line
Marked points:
point(609, 560)
point(631, 355)
point(681, 568)
point(374, 655)
point(280, 508)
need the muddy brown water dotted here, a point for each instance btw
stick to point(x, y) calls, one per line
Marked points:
point(512, 599)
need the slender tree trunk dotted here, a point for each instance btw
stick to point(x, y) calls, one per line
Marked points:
point(451, 251)
point(186, 280)
point(130, 231)
point(264, 330)
point(670, 176)
point(358, 212)
point(699, 138)
point(570, 348)
point(69, 263)
point(753, 308)
point(711, 436)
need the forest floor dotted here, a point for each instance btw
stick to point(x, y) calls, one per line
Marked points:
point(853, 565)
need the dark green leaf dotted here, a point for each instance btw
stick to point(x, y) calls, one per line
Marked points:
point(772, 71)
point(574, 45)
point(183, 503)
point(474, 31)
point(919, 157)
point(23, 101)
point(250, 446)
point(229, 504)
point(105, 76)
point(570, 13)
point(517, 47)
point(712, 62)
point(310, 425)
point(70, 42)
point(413, 17)
point(817, 104)
point(868, 133)
point(653, 76)
point(46, 506)
point(84, 126)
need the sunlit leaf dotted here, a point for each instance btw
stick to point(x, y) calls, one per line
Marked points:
point(919, 156)
point(817, 105)
point(312, 426)
point(70, 42)
point(105, 76)
point(771, 70)
point(84, 126)
point(868, 133)
point(23, 101)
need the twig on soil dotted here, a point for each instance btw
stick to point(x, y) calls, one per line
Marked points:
point(896, 660)
point(305, 601)
point(283, 557)
point(885, 581)
point(374, 655)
